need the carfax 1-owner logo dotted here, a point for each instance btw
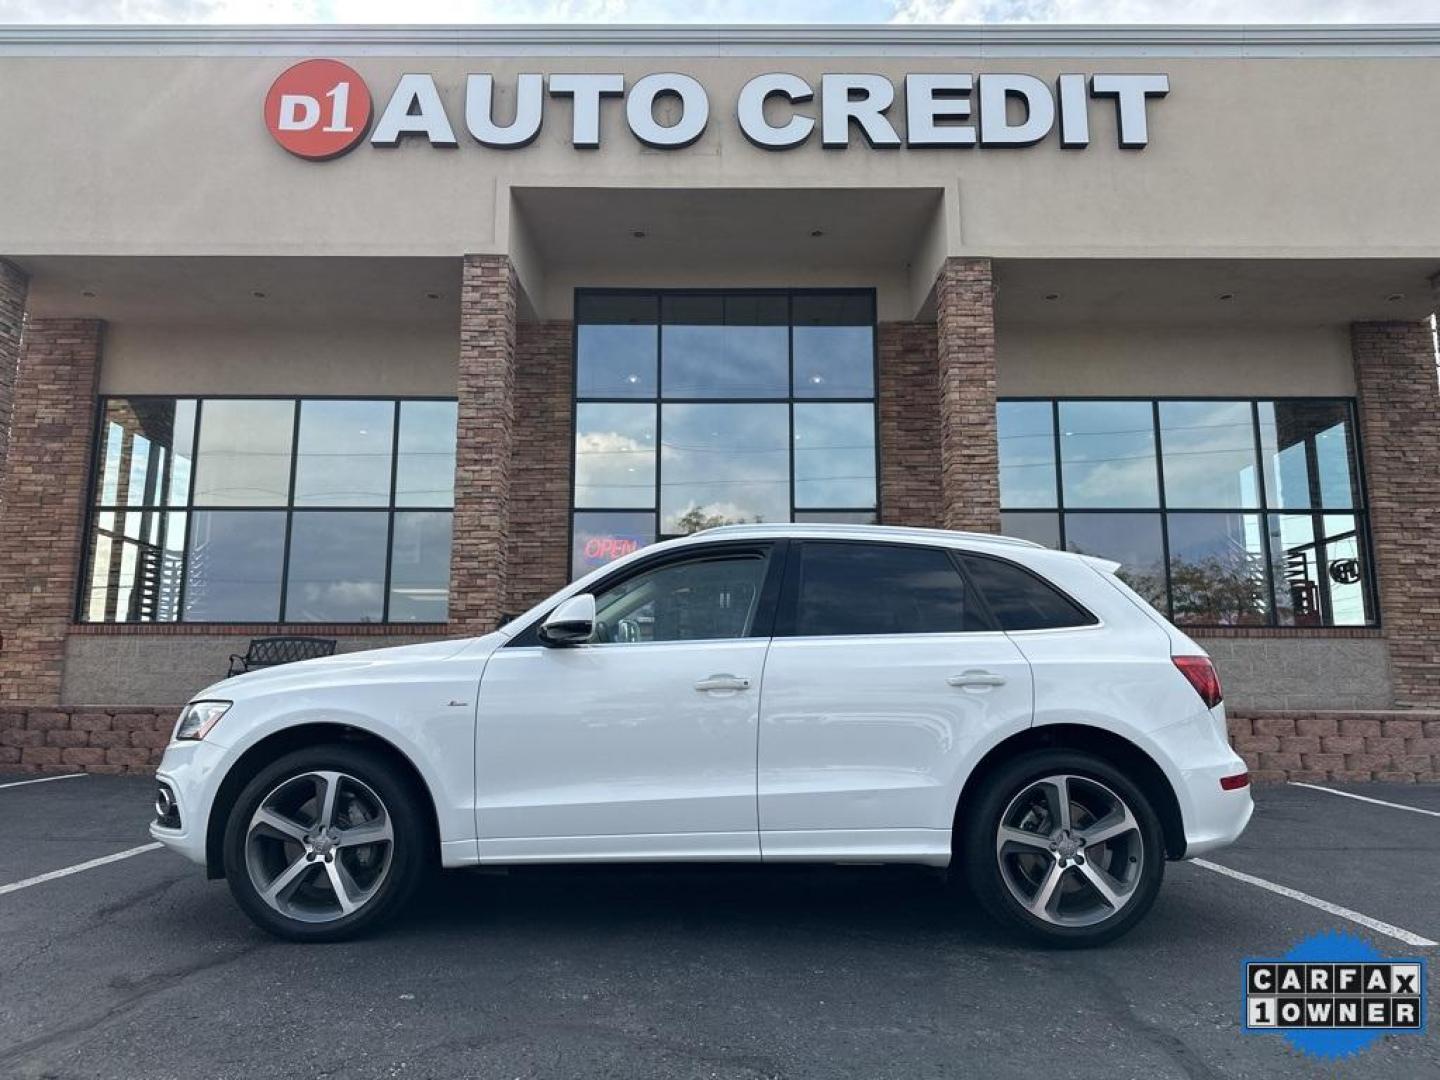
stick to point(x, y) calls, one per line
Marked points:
point(1334, 995)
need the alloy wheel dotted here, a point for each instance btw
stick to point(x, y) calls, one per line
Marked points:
point(1070, 850)
point(319, 846)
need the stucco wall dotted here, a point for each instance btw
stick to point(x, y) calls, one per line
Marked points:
point(1302, 673)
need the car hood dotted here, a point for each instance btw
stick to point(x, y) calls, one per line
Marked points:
point(370, 663)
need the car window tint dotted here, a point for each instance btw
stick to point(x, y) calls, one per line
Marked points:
point(881, 589)
point(1020, 600)
point(695, 600)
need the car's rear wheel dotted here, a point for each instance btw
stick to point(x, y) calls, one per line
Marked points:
point(1062, 847)
point(325, 843)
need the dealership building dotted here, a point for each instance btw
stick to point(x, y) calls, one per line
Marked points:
point(380, 334)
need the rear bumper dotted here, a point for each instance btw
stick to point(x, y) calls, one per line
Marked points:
point(1214, 817)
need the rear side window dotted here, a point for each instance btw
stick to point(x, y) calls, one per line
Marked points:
point(881, 589)
point(1020, 600)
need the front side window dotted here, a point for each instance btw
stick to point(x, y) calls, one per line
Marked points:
point(695, 600)
point(1222, 512)
point(271, 510)
point(858, 588)
point(699, 409)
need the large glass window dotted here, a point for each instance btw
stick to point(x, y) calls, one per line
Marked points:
point(698, 409)
point(271, 510)
point(1222, 512)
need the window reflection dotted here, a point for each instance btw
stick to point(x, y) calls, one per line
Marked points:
point(834, 342)
point(343, 456)
point(723, 465)
point(425, 458)
point(1107, 454)
point(243, 457)
point(337, 567)
point(1309, 454)
point(835, 455)
point(1026, 431)
point(1039, 528)
point(614, 455)
point(233, 566)
point(420, 567)
point(616, 343)
point(1209, 454)
point(733, 346)
point(1218, 574)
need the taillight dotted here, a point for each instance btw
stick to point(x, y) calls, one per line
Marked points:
point(1201, 674)
point(1236, 782)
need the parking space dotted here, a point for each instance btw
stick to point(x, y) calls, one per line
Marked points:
point(140, 968)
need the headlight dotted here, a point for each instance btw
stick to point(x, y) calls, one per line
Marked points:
point(197, 718)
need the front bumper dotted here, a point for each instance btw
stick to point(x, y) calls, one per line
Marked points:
point(192, 769)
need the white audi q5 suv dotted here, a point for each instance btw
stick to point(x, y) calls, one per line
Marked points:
point(762, 693)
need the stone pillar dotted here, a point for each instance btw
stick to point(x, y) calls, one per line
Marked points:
point(484, 443)
point(965, 345)
point(47, 474)
point(13, 289)
point(909, 408)
point(539, 562)
point(1399, 404)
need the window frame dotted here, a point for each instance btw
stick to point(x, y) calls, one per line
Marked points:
point(659, 400)
point(766, 606)
point(1263, 511)
point(94, 508)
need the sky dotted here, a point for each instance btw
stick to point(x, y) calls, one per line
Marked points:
point(719, 11)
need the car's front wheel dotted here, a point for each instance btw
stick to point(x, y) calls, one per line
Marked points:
point(1063, 847)
point(325, 843)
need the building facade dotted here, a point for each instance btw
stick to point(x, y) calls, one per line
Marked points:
point(383, 334)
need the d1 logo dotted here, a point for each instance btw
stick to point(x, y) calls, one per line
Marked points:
point(318, 109)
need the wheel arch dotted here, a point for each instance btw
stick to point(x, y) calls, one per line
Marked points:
point(1116, 749)
point(299, 737)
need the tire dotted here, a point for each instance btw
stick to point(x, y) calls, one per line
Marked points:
point(284, 868)
point(1008, 873)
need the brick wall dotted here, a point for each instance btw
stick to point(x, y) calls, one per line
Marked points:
point(86, 739)
point(909, 408)
point(46, 476)
point(969, 446)
point(13, 289)
point(1390, 745)
point(1399, 403)
point(539, 562)
point(485, 437)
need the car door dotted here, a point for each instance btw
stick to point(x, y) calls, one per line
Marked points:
point(884, 682)
point(641, 742)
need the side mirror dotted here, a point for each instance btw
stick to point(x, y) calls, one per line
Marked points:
point(572, 623)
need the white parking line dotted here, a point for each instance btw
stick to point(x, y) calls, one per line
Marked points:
point(40, 879)
point(1366, 798)
point(1323, 905)
point(45, 779)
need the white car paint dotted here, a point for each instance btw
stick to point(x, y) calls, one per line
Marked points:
point(839, 748)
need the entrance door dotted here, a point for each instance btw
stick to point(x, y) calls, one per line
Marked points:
point(640, 743)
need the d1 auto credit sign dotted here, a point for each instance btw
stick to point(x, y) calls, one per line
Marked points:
point(318, 109)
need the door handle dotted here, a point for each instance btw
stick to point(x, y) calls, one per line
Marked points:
point(969, 679)
point(723, 682)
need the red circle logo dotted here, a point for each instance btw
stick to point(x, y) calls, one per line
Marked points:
point(318, 109)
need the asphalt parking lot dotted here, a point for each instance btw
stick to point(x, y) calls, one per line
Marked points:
point(139, 967)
